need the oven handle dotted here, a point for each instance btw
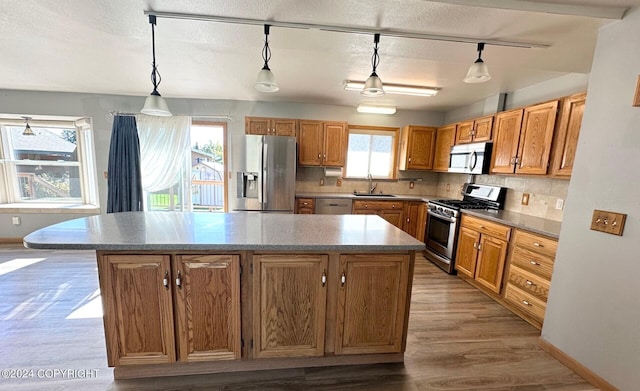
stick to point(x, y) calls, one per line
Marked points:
point(441, 217)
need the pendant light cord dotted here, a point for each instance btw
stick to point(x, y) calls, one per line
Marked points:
point(266, 51)
point(375, 59)
point(155, 75)
point(480, 49)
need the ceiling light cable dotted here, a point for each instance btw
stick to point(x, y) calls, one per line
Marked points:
point(373, 86)
point(155, 104)
point(266, 82)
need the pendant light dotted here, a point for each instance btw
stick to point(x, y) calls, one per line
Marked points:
point(155, 104)
point(373, 85)
point(266, 81)
point(478, 72)
point(27, 129)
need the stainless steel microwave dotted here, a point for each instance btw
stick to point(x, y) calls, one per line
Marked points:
point(472, 158)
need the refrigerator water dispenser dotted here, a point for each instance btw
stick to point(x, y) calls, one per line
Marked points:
point(247, 185)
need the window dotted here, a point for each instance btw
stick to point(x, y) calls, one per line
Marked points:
point(55, 165)
point(372, 150)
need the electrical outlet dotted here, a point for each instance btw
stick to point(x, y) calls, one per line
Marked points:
point(608, 222)
point(559, 203)
point(339, 182)
point(321, 181)
point(411, 185)
point(525, 199)
point(15, 220)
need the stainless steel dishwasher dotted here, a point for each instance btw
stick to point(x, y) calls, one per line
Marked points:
point(333, 206)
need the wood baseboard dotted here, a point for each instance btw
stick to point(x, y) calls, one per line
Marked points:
point(575, 366)
point(10, 240)
point(248, 366)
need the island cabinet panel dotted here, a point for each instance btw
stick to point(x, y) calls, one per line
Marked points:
point(207, 307)
point(289, 305)
point(372, 298)
point(138, 310)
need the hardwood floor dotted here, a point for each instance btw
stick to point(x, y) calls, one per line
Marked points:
point(459, 339)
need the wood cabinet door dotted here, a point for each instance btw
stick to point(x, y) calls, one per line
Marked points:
point(310, 143)
point(415, 219)
point(289, 305)
point(506, 136)
point(283, 127)
point(491, 260)
point(207, 307)
point(335, 144)
point(445, 139)
point(138, 309)
point(464, 133)
point(482, 129)
point(567, 134)
point(257, 125)
point(536, 136)
point(372, 295)
point(420, 147)
point(467, 252)
point(395, 217)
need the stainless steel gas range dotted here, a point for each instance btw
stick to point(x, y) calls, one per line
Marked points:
point(443, 216)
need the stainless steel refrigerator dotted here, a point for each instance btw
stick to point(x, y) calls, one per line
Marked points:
point(264, 169)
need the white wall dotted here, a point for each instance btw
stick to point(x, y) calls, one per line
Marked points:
point(98, 108)
point(593, 313)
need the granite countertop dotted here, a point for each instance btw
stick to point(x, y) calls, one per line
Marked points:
point(224, 232)
point(534, 224)
point(396, 197)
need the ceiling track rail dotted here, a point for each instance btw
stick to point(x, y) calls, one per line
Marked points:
point(344, 29)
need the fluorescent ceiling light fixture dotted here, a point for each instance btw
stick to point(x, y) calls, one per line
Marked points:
point(376, 109)
point(402, 89)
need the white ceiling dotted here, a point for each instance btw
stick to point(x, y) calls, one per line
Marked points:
point(104, 46)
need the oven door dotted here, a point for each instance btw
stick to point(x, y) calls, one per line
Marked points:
point(440, 234)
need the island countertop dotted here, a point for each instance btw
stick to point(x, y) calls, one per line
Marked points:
point(224, 232)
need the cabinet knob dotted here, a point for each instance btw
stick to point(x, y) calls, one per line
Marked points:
point(409, 160)
point(537, 244)
point(534, 263)
point(319, 156)
point(526, 303)
point(530, 283)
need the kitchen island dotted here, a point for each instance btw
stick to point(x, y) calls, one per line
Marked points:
point(187, 293)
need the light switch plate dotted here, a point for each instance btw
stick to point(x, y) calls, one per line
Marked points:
point(525, 198)
point(608, 222)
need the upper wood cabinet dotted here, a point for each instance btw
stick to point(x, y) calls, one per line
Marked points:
point(270, 126)
point(474, 131)
point(417, 147)
point(322, 143)
point(289, 305)
point(567, 132)
point(524, 149)
point(372, 293)
point(445, 139)
point(143, 293)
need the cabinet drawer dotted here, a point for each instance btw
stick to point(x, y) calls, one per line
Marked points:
point(378, 205)
point(529, 282)
point(486, 227)
point(536, 243)
point(525, 302)
point(304, 202)
point(532, 262)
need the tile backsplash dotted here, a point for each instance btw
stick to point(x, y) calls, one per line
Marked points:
point(543, 192)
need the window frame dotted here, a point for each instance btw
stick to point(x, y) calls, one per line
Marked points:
point(376, 130)
point(86, 162)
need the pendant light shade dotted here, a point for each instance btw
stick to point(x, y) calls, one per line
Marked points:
point(27, 129)
point(373, 85)
point(155, 104)
point(478, 72)
point(266, 82)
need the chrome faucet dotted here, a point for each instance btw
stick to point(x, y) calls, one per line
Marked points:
point(372, 187)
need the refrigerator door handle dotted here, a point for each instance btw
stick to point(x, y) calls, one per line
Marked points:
point(265, 172)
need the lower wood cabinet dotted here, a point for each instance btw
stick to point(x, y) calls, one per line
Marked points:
point(289, 305)
point(305, 206)
point(415, 215)
point(392, 211)
point(159, 310)
point(482, 251)
point(372, 299)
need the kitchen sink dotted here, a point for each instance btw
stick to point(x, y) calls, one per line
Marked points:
point(373, 195)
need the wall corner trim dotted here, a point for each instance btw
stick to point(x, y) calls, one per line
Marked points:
point(575, 366)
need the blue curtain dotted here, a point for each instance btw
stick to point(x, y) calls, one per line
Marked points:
point(125, 182)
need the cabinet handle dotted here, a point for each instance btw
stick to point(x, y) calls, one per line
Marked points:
point(475, 245)
point(324, 156)
point(537, 244)
point(409, 160)
point(343, 279)
point(534, 263)
point(319, 156)
point(530, 283)
point(305, 203)
point(526, 303)
point(165, 280)
point(482, 227)
point(324, 277)
point(479, 246)
point(179, 280)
